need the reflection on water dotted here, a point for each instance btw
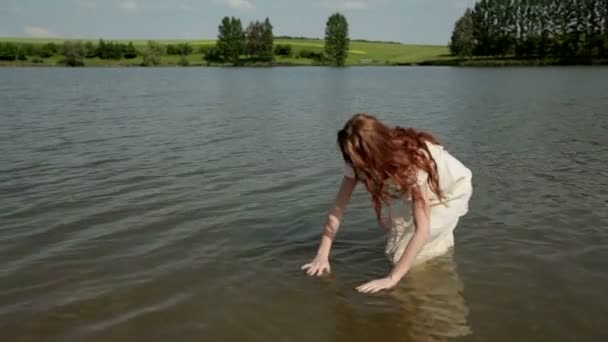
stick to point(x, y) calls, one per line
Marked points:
point(427, 305)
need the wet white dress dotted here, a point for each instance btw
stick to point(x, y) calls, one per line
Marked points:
point(455, 183)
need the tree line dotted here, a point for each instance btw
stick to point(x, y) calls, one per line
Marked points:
point(109, 50)
point(235, 45)
point(573, 29)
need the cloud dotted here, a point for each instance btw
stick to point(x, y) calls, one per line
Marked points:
point(39, 32)
point(128, 6)
point(86, 3)
point(241, 5)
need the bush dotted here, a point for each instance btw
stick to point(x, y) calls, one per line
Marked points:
point(8, 52)
point(130, 52)
point(283, 50)
point(183, 49)
point(109, 50)
point(183, 61)
point(37, 60)
point(206, 49)
point(212, 55)
point(90, 50)
point(152, 54)
point(74, 53)
point(171, 49)
point(317, 56)
point(27, 49)
point(48, 50)
point(22, 58)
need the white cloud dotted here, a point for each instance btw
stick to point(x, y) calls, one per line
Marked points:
point(241, 5)
point(86, 3)
point(128, 6)
point(40, 32)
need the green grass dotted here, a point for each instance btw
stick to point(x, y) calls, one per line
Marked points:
point(361, 53)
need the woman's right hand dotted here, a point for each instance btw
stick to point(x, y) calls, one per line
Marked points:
point(317, 267)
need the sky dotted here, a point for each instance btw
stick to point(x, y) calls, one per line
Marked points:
point(406, 21)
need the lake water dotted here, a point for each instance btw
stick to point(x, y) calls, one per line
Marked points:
point(179, 204)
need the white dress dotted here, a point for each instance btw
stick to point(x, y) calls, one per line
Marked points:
point(455, 183)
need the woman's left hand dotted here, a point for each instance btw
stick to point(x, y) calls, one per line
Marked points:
point(377, 285)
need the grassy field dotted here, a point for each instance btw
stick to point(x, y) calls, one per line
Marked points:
point(361, 53)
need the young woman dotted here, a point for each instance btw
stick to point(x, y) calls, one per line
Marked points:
point(399, 165)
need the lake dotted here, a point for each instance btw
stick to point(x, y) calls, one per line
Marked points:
point(179, 204)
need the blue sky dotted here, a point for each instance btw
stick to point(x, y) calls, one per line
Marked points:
point(408, 21)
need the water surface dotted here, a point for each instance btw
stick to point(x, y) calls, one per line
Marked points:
point(178, 204)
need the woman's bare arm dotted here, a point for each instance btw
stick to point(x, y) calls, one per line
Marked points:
point(422, 221)
point(334, 217)
point(320, 263)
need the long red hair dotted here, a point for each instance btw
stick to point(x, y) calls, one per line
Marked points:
point(378, 153)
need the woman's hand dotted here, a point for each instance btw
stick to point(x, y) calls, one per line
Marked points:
point(318, 266)
point(377, 285)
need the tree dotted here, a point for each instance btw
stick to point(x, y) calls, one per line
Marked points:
point(266, 49)
point(462, 42)
point(153, 53)
point(231, 40)
point(171, 49)
point(8, 51)
point(109, 50)
point(260, 40)
point(73, 53)
point(90, 50)
point(336, 39)
point(27, 49)
point(102, 49)
point(47, 50)
point(130, 51)
point(211, 54)
point(184, 49)
point(254, 39)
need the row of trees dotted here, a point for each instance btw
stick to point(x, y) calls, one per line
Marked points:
point(104, 49)
point(74, 53)
point(257, 42)
point(12, 51)
point(533, 28)
point(233, 41)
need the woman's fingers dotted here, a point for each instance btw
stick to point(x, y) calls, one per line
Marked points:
point(313, 269)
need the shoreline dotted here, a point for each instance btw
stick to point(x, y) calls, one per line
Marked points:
point(439, 63)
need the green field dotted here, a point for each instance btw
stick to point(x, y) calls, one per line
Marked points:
point(361, 53)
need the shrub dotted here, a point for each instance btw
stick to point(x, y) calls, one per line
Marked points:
point(283, 50)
